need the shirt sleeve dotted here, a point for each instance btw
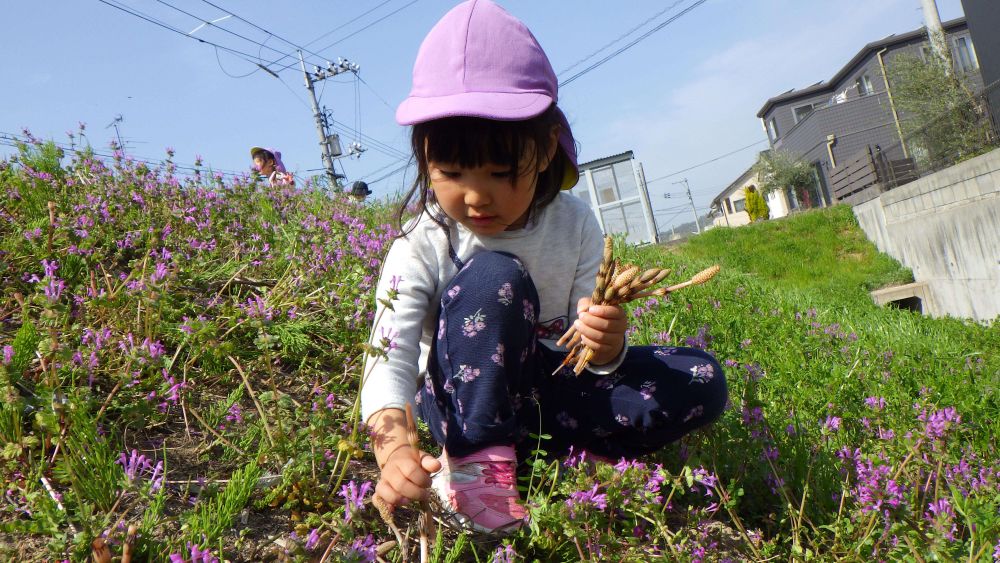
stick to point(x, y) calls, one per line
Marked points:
point(404, 293)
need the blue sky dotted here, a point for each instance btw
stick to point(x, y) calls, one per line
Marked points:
point(686, 94)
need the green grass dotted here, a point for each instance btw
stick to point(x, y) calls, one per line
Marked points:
point(822, 252)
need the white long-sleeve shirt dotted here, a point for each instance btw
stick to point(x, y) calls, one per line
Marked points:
point(561, 248)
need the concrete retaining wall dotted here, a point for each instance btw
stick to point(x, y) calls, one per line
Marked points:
point(946, 228)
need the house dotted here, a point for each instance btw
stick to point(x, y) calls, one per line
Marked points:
point(615, 189)
point(851, 117)
point(728, 209)
point(984, 21)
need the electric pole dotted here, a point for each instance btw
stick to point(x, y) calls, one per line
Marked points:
point(326, 140)
point(935, 33)
point(691, 199)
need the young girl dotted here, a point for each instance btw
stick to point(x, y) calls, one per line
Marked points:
point(492, 270)
point(268, 163)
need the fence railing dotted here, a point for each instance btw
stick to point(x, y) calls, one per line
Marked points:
point(958, 133)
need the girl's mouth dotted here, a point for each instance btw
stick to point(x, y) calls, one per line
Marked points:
point(482, 220)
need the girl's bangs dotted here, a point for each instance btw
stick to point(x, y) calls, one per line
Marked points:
point(471, 142)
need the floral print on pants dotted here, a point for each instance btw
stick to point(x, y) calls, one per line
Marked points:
point(490, 383)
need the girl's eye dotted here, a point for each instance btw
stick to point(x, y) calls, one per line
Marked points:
point(450, 174)
point(504, 174)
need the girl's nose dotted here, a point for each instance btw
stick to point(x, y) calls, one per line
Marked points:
point(476, 197)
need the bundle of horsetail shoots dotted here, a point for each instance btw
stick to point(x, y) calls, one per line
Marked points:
point(619, 283)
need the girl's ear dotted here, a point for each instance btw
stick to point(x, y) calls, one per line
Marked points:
point(551, 148)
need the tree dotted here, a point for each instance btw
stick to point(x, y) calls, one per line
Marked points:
point(943, 121)
point(757, 208)
point(778, 170)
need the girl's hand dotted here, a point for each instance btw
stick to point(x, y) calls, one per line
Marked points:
point(602, 329)
point(403, 479)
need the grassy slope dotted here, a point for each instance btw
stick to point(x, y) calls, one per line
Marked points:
point(822, 251)
point(792, 299)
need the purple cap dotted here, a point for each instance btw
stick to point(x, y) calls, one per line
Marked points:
point(480, 61)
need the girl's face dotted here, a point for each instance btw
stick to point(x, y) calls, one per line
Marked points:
point(264, 165)
point(484, 199)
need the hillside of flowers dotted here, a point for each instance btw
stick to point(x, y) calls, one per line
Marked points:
point(181, 356)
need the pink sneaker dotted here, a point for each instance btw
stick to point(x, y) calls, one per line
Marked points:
point(480, 490)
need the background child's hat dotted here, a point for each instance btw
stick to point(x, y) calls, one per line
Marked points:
point(480, 61)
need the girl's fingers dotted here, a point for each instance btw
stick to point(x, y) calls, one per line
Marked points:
point(606, 311)
point(389, 494)
point(429, 463)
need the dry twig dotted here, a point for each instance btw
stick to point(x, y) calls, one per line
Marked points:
point(619, 283)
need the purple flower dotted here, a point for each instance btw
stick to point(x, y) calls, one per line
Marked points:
point(8, 354)
point(706, 479)
point(582, 499)
point(354, 497)
point(504, 554)
point(937, 423)
point(364, 549)
point(941, 516)
point(831, 424)
point(702, 340)
point(875, 403)
point(196, 554)
point(312, 539)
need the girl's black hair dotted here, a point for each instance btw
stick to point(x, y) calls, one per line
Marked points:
point(472, 141)
point(263, 153)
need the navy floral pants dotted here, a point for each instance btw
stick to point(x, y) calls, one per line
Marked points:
point(489, 381)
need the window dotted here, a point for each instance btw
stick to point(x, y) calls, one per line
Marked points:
point(965, 55)
point(604, 182)
point(803, 112)
point(625, 178)
point(729, 206)
point(864, 83)
point(772, 129)
point(739, 205)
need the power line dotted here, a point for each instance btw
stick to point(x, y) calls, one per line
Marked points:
point(634, 42)
point(699, 165)
point(128, 10)
point(346, 37)
point(219, 27)
point(272, 34)
point(371, 140)
point(341, 26)
point(13, 140)
point(377, 95)
point(620, 37)
point(389, 174)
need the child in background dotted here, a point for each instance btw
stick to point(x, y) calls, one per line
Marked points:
point(268, 163)
point(494, 267)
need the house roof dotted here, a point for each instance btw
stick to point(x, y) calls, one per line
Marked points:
point(737, 183)
point(597, 163)
point(829, 86)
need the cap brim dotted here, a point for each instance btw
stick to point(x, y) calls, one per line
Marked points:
point(501, 106)
point(255, 149)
